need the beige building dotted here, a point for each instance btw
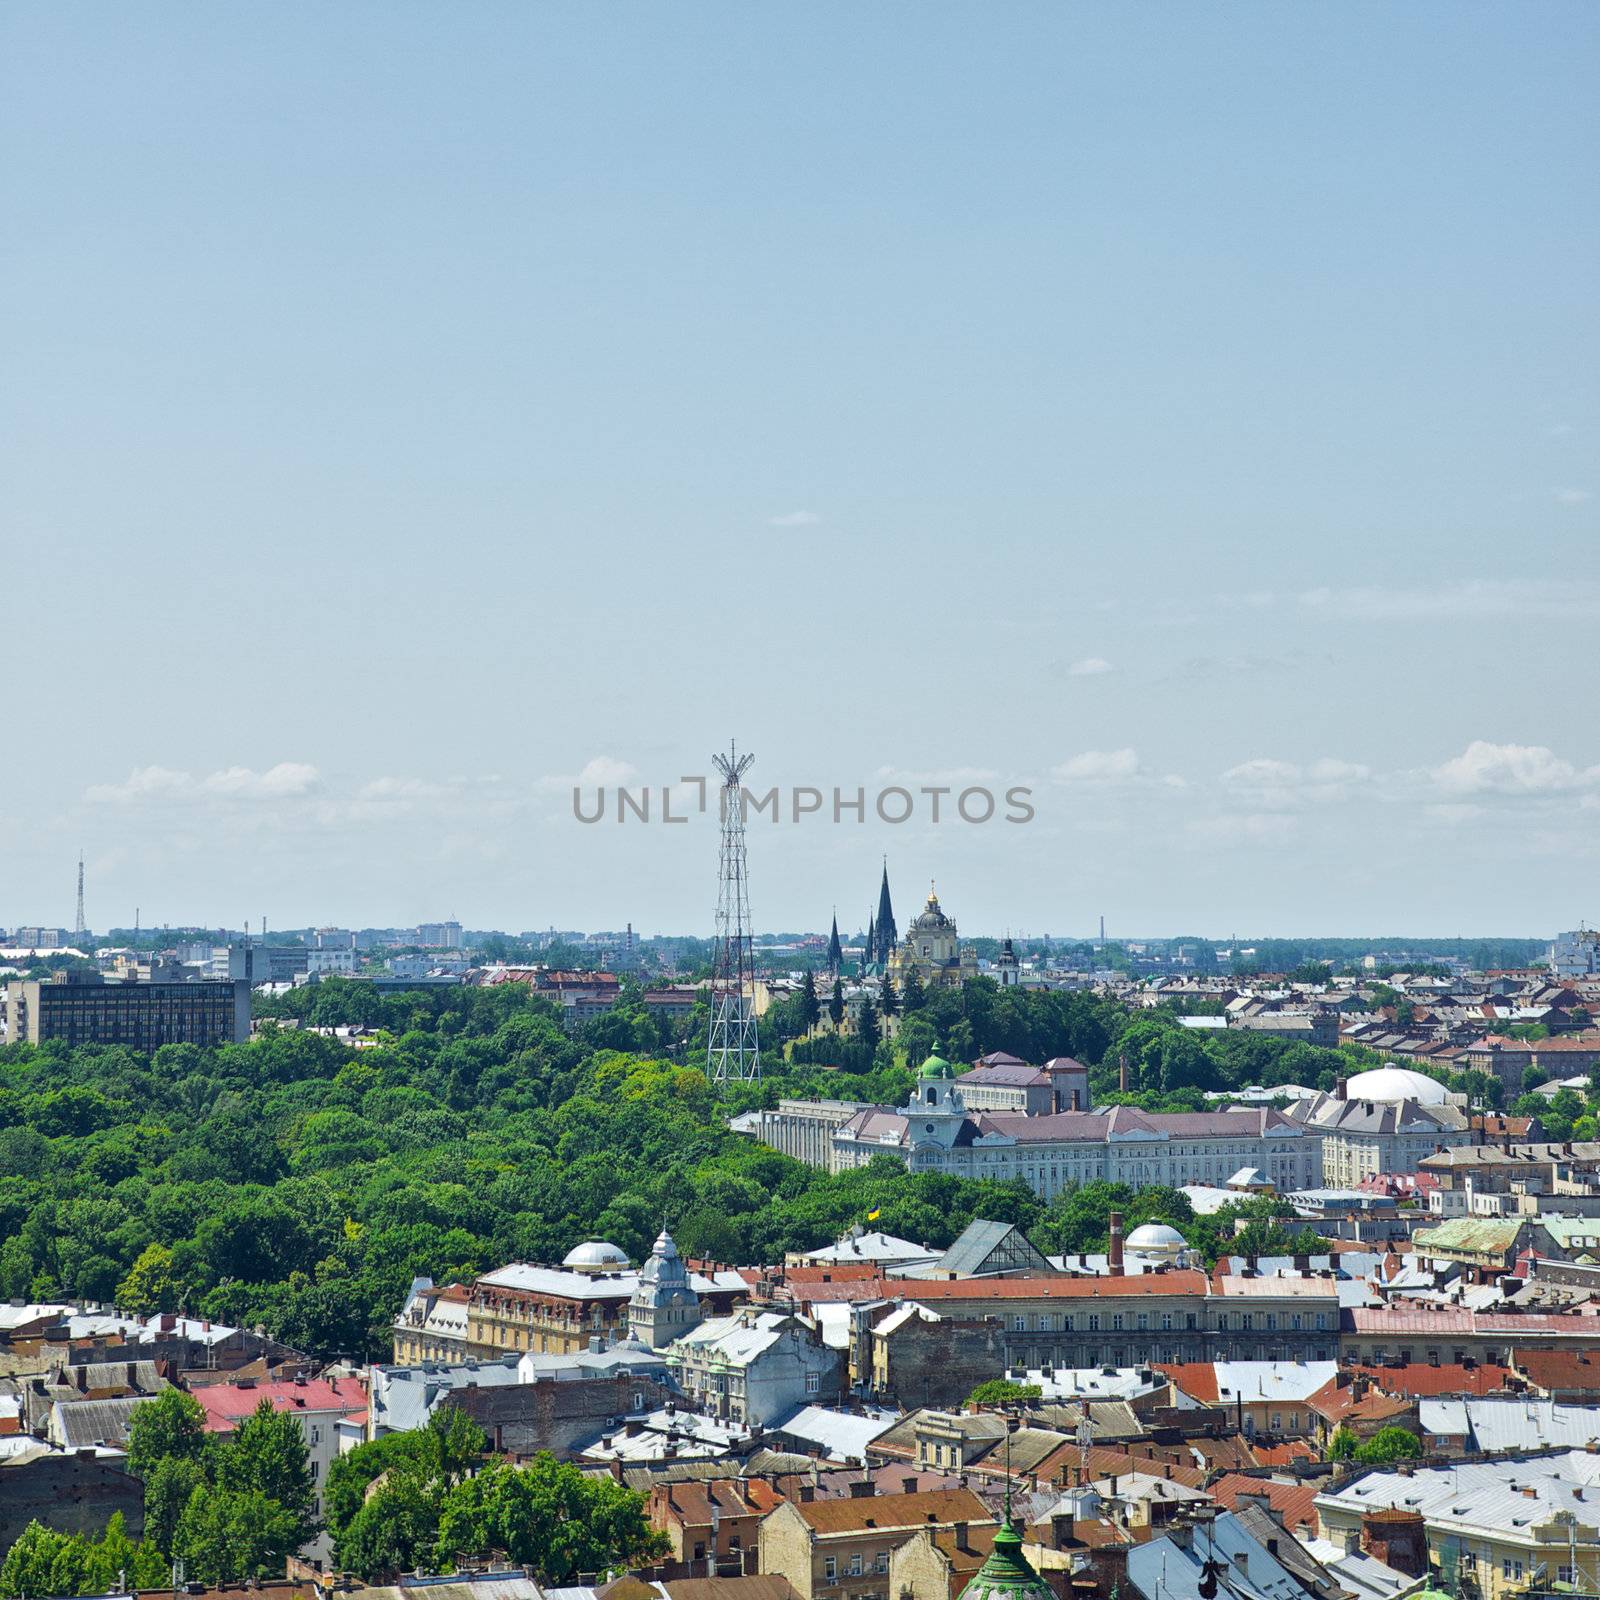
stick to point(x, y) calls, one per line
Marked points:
point(842, 1549)
point(932, 950)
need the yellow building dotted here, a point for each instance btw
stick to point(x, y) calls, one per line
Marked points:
point(932, 950)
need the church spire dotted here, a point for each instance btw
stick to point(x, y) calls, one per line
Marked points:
point(888, 935)
point(835, 949)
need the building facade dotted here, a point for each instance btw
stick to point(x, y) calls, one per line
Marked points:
point(142, 1016)
point(1052, 1153)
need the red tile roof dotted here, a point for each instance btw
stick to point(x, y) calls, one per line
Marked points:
point(1559, 1369)
point(1197, 1379)
point(1421, 1380)
point(1295, 1503)
point(228, 1404)
point(928, 1290)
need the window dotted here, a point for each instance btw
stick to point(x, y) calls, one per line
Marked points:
point(830, 1568)
point(813, 1382)
point(881, 1563)
point(855, 1565)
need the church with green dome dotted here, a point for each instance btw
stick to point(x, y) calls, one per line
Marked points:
point(1006, 1573)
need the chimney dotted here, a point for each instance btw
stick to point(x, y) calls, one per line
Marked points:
point(1122, 1073)
point(961, 1535)
point(1341, 1089)
point(1114, 1245)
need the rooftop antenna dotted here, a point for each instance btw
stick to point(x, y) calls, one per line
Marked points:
point(732, 1049)
point(79, 926)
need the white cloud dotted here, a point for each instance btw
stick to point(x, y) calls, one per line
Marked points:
point(794, 519)
point(1511, 769)
point(1098, 766)
point(942, 775)
point(1466, 600)
point(1089, 667)
point(1571, 497)
point(143, 783)
point(1251, 827)
point(1285, 783)
point(147, 785)
point(1263, 773)
point(1453, 814)
point(598, 772)
point(1330, 770)
point(286, 780)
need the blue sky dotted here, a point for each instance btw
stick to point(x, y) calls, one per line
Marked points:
point(1190, 414)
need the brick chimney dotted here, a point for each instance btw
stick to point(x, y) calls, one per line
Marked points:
point(1122, 1073)
point(1114, 1245)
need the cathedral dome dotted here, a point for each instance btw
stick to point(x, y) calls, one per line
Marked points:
point(932, 916)
point(936, 1067)
point(595, 1255)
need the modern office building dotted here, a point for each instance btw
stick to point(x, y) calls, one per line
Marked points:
point(143, 1016)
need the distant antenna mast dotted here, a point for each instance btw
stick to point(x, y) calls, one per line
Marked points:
point(80, 927)
point(732, 1051)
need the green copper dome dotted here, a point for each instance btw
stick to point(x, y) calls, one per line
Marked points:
point(936, 1067)
point(1005, 1573)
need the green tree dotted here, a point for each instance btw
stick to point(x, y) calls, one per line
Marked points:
point(911, 995)
point(1389, 1444)
point(810, 1011)
point(547, 1515)
point(169, 1484)
point(171, 1425)
point(228, 1535)
point(836, 1003)
point(867, 1030)
point(1342, 1446)
point(268, 1456)
point(887, 999)
point(394, 1531)
point(1003, 1392)
point(151, 1285)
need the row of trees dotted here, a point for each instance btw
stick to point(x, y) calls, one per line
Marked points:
point(227, 1508)
point(431, 1498)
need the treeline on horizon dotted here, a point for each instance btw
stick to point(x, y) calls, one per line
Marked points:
point(298, 1184)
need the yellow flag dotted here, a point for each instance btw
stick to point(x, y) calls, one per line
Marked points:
point(872, 1216)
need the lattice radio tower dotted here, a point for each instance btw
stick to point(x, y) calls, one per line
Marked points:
point(732, 1052)
point(79, 926)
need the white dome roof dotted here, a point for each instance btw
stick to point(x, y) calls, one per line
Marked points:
point(595, 1255)
point(1396, 1083)
point(1156, 1236)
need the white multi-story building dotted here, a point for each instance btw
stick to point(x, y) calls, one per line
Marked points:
point(333, 962)
point(1053, 1152)
point(1576, 954)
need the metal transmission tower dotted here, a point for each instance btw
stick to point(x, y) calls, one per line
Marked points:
point(80, 927)
point(732, 1052)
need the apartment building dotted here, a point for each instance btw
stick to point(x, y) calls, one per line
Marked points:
point(842, 1549)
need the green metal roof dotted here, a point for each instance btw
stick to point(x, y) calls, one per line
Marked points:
point(1477, 1235)
point(1006, 1572)
point(936, 1067)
